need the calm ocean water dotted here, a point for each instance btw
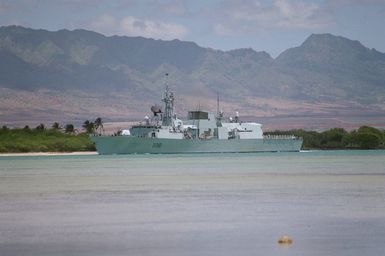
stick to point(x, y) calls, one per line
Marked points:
point(330, 203)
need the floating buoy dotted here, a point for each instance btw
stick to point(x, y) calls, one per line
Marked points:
point(285, 240)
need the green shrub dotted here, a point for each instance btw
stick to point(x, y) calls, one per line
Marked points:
point(39, 140)
point(337, 138)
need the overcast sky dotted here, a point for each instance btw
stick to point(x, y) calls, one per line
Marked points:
point(272, 26)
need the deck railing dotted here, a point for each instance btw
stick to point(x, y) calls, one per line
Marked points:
point(281, 137)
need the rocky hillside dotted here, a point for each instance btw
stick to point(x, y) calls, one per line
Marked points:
point(72, 75)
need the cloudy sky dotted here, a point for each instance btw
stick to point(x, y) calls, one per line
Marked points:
point(269, 25)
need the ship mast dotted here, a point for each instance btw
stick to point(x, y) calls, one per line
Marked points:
point(219, 113)
point(217, 104)
point(168, 99)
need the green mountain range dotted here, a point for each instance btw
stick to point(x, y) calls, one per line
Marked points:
point(73, 75)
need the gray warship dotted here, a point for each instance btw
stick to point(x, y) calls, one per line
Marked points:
point(202, 132)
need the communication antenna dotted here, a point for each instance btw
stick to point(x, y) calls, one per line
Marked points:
point(166, 81)
point(217, 104)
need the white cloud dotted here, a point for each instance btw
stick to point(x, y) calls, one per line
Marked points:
point(173, 7)
point(155, 29)
point(251, 16)
point(133, 26)
point(298, 15)
point(105, 24)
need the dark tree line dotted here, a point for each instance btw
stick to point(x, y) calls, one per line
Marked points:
point(68, 128)
point(365, 137)
point(95, 127)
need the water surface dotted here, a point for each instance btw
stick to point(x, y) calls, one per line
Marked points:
point(329, 202)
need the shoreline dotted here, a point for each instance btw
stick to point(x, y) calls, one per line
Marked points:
point(76, 153)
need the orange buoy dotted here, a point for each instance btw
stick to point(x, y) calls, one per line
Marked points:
point(285, 240)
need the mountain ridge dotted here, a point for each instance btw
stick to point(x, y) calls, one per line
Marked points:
point(325, 70)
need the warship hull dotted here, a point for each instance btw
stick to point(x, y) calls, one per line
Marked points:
point(106, 145)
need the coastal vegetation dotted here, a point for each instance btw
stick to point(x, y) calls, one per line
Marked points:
point(95, 127)
point(365, 137)
point(68, 139)
point(41, 139)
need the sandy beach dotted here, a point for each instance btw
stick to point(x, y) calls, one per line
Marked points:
point(83, 153)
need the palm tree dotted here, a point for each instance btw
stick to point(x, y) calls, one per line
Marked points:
point(99, 125)
point(40, 127)
point(89, 127)
point(69, 129)
point(56, 126)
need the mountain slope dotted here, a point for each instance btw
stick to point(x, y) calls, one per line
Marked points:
point(81, 73)
point(335, 67)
